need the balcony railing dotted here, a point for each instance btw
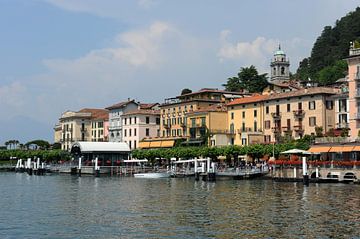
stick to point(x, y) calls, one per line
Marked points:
point(276, 115)
point(322, 140)
point(166, 125)
point(298, 128)
point(249, 130)
point(276, 129)
point(343, 125)
point(222, 131)
point(299, 113)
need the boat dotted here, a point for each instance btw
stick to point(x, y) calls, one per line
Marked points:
point(153, 175)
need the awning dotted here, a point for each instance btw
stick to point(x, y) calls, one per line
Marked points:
point(167, 143)
point(155, 144)
point(144, 145)
point(336, 149)
point(348, 148)
point(319, 149)
point(356, 148)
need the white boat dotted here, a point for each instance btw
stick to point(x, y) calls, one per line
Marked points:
point(153, 175)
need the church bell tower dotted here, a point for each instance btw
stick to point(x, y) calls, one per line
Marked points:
point(280, 67)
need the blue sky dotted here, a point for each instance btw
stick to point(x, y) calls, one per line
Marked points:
point(58, 55)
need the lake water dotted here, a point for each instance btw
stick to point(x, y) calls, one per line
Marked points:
point(63, 206)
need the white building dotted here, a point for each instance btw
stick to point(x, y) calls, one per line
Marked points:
point(115, 122)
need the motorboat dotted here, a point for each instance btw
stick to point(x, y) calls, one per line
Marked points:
point(153, 175)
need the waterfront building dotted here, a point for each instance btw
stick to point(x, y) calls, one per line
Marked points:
point(342, 113)
point(208, 126)
point(57, 133)
point(78, 126)
point(246, 117)
point(280, 65)
point(354, 90)
point(140, 123)
point(298, 113)
point(115, 122)
point(173, 111)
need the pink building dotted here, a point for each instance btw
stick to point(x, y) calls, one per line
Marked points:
point(140, 124)
point(354, 90)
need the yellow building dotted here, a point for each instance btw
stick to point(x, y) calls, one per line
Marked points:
point(245, 120)
point(173, 112)
point(208, 126)
point(83, 125)
point(298, 113)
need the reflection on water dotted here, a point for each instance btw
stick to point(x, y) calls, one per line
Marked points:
point(87, 207)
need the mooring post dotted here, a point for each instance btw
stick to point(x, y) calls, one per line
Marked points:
point(79, 167)
point(97, 168)
point(305, 174)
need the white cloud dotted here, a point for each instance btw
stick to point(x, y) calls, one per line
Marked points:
point(259, 51)
point(146, 3)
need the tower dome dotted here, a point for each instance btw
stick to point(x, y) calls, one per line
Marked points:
point(280, 66)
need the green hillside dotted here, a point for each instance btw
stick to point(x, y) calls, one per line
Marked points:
point(325, 65)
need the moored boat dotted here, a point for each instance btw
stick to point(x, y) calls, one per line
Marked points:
point(153, 175)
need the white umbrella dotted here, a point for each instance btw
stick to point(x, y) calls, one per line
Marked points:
point(295, 151)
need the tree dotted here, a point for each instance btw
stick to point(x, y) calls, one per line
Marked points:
point(41, 144)
point(186, 91)
point(247, 79)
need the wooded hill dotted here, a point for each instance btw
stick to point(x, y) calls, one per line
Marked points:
point(326, 64)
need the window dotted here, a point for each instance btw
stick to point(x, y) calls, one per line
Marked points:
point(125, 132)
point(312, 121)
point(243, 141)
point(129, 132)
point(134, 144)
point(203, 121)
point(135, 123)
point(288, 108)
point(329, 104)
point(267, 109)
point(130, 144)
point(232, 115)
point(125, 121)
point(157, 120)
point(147, 119)
point(255, 126)
point(147, 132)
point(179, 132)
point(243, 114)
point(243, 127)
point(267, 124)
point(311, 105)
point(100, 124)
point(288, 124)
point(134, 132)
point(232, 130)
point(130, 120)
point(193, 122)
point(255, 113)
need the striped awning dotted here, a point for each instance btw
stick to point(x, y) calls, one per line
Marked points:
point(336, 149)
point(167, 143)
point(356, 148)
point(144, 145)
point(347, 148)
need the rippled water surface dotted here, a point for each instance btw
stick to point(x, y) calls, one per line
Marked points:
point(62, 206)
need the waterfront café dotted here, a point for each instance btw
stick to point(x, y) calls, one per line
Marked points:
point(108, 153)
point(337, 152)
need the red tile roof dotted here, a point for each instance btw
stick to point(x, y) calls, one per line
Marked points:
point(147, 105)
point(247, 100)
point(211, 108)
point(96, 113)
point(120, 105)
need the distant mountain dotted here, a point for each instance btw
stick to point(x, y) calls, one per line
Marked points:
point(24, 129)
point(326, 65)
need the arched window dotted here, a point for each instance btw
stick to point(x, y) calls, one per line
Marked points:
point(282, 70)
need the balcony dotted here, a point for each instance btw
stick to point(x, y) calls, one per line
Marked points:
point(343, 125)
point(299, 113)
point(167, 125)
point(183, 125)
point(249, 131)
point(298, 128)
point(276, 130)
point(276, 115)
point(221, 131)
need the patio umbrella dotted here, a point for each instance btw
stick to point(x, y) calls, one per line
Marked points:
point(296, 151)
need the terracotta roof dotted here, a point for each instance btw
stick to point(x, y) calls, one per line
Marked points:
point(247, 100)
point(143, 112)
point(304, 92)
point(120, 105)
point(147, 105)
point(96, 113)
